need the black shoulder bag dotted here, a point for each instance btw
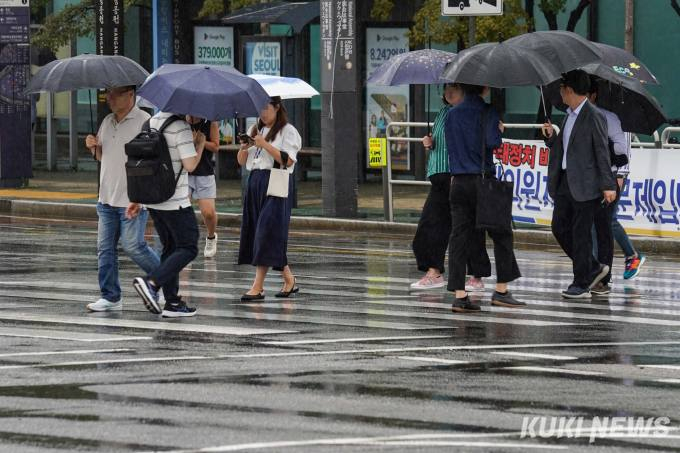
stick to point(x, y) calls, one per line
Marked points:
point(494, 197)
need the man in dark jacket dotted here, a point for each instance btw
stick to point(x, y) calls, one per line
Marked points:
point(580, 181)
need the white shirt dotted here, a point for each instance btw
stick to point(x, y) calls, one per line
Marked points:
point(620, 139)
point(113, 136)
point(287, 140)
point(568, 126)
point(180, 142)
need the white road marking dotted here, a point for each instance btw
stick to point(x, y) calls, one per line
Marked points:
point(74, 352)
point(106, 362)
point(376, 441)
point(285, 317)
point(355, 340)
point(541, 369)
point(480, 317)
point(159, 325)
point(431, 360)
point(663, 367)
point(668, 381)
point(535, 356)
point(446, 348)
point(86, 337)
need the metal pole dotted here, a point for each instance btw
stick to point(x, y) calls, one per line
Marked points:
point(73, 130)
point(471, 31)
point(51, 135)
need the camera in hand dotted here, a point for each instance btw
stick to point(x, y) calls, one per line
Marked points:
point(245, 138)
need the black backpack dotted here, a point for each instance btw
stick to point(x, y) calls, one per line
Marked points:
point(150, 176)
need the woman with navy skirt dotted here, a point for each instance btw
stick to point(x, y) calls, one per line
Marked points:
point(264, 228)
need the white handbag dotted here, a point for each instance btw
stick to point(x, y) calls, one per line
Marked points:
point(278, 183)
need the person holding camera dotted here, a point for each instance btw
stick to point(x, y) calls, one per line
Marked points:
point(108, 147)
point(272, 143)
point(202, 183)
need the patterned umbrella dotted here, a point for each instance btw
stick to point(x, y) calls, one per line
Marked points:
point(416, 67)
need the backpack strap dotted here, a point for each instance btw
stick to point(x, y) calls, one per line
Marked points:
point(169, 121)
point(146, 127)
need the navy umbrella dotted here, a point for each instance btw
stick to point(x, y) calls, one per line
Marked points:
point(416, 67)
point(211, 92)
point(423, 66)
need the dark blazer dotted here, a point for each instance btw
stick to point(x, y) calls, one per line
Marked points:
point(588, 165)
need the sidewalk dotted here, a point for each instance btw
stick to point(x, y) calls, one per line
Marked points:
point(74, 195)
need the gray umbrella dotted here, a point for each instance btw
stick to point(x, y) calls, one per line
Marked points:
point(87, 72)
point(564, 49)
point(501, 65)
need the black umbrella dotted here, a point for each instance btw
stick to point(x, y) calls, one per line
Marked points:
point(501, 65)
point(564, 49)
point(637, 109)
point(624, 63)
point(87, 72)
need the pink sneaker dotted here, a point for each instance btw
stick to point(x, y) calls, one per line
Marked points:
point(429, 282)
point(474, 284)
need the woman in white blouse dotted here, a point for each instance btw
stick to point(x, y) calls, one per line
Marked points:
point(264, 228)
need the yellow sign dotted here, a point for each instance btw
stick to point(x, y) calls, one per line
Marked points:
point(376, 152)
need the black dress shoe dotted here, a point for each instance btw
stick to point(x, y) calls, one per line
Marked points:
point(249, 297)
point(464, 305)
point(293, 290)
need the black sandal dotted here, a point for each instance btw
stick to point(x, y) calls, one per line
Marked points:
point(293, 290)
point(250, 297)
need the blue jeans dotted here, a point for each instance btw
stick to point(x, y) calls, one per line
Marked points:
point(620, 235)
point(112, 228)
point(178, 232)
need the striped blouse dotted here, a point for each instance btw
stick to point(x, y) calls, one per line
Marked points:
point(438, 159)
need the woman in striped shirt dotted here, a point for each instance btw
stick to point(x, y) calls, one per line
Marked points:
point(434, 228)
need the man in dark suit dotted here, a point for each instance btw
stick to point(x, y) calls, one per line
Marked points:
point(580, 181)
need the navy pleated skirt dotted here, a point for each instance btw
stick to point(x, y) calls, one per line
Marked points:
point(264, 228)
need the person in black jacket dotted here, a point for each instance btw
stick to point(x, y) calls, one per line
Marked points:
point(580, 181)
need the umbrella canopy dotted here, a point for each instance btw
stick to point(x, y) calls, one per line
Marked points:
point(296, 14)
point(563, 49)
point(210, 92)
point(416, 67)
point(285, 87)
point(501, 65)
point(87, 72)
point(623, 62)
point(637, 109)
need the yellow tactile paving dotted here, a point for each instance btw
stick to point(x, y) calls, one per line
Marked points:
point(44, 195)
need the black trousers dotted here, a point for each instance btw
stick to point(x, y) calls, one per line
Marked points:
point(463, 199)
point(178, 232)
point(572, 223)
point(434, 229)
point(604, 217)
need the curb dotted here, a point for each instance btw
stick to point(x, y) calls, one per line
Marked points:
point(524, 238)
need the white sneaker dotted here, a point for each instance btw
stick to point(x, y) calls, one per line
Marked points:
point(210, 247)
point(429, 282)
point(105, 305)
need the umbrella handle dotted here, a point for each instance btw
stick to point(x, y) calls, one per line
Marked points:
point(545, 112)
point(89, 94)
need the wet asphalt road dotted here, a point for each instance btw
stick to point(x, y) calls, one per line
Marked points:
point(352, 363)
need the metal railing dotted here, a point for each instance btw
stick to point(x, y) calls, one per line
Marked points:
point(666, 135)
point(388, 181)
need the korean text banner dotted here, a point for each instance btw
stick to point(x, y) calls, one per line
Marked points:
point(650, 199)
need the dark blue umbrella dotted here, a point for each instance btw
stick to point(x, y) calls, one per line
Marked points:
point(211, 92)
point(416, 67)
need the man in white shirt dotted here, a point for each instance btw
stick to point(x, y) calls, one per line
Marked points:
point(108, 147)
point(174, 220)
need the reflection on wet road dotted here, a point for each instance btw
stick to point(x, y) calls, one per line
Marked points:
point(354, 362)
